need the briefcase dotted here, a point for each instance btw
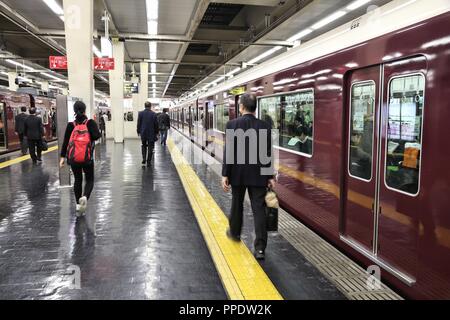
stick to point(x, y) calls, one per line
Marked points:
point(272, 219)
point(44, 145)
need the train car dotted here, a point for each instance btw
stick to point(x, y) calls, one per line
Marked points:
point(362, 115)
point(10, 104)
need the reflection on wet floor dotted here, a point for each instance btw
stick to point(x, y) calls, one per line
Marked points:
point(139, 239)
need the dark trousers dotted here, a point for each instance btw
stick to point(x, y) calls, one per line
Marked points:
point(163, 136)
point(35, 147)
point(78, 170)
point(257, 199)
point(147, 149)
point(23, 143)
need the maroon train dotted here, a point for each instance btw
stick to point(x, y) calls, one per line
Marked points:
point(364, 150)
point(10, 104)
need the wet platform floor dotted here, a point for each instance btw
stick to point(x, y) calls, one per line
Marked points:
point(139, 239)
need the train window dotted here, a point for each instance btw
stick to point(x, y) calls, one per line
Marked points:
point(297, 119)
point(221, 117)
point(293, 115)
point(269, 110)
point(404, 133)
point(362, 108)
point(2, 126)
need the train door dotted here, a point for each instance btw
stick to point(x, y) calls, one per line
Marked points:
point(382, 182)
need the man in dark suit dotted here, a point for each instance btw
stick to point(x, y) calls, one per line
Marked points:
point(34, 131)
point(147, 128)
point(247, 137)
point(20, 128)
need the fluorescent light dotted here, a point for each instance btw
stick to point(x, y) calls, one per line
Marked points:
point(19, 64)
point(329, 19)
point(152, 26)
point(54, 6)
point(356, 4)
point(153, 78)
point(300, 35)
point(96, 51)
point(153, 67)
point(152, 48)
point(50, 76)
point(5, 73)
point(232, 72)
point(152, 9)
point(265, 54)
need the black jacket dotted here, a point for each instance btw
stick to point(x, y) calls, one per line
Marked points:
point(248, 173)
point(20, 122)
point(92, 128)
point(147, 126)
point(164, 121)
point(33, 128)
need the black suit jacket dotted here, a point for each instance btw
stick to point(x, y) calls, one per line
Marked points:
point(33, 128)
point(147, 125)
point(20, 123)
point(248, 173)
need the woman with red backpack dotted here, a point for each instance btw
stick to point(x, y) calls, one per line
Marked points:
point(78, 148)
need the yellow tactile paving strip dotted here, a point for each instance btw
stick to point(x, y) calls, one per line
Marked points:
point(23, 158)
point(241, 275)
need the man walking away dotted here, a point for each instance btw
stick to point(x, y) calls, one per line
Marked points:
point(20, 129)
point(245, 175)
point(147, 129)
point(164, 125)
point(34, 131)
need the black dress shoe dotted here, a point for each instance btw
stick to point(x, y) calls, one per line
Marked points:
point(259, 255)
point(234, 238)
point(39, 159)
point(143, 162)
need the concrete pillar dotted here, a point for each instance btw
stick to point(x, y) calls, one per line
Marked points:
point(12, 81)
point(143, 84)
point(44, 86)
point(116, 82)
point(136, 100)
point(79, 26)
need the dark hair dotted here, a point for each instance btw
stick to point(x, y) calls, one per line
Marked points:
point(248, 101)
point(32, 110)
point(79, 108)
point(148, 105)
point(23, 109)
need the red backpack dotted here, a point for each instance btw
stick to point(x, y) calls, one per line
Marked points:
point(80, 148)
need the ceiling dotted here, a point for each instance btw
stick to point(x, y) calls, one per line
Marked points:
point(198, 40)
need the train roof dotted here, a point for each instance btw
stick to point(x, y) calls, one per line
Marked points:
point(389, 18)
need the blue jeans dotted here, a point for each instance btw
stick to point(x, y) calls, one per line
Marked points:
point(164, 136)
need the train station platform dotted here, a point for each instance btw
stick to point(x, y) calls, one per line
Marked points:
point(154, 233)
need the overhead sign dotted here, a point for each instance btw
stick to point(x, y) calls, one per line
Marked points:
point(58, 62)
point(237, 91)
point(104, 63)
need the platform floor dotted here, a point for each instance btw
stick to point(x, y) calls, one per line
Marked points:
point(139, 240)
point(149, 233)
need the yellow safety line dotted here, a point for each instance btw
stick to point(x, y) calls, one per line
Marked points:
point(23, 158)
point(240, 273)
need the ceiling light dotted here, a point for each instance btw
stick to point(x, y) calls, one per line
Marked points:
point(152, 9)
point(19, 64)
point(299, 35)
point(152, 49)
point(356, 4)
point(152, 26)
point(5, 73)
point(264, 55)
point(54, 6)
point(153, 67)
point(329, 19)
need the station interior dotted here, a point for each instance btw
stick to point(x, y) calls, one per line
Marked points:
point(353, 94)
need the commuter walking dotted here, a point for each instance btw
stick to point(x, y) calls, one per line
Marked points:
point(240, 174)
point(78, 147)
point(147, 129)
point(164, 125)
point(34, 131)
point(20, 129)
